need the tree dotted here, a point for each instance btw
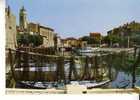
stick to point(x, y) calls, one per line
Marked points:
point(106, 39)
point(111, 39)
point(90, 40)
point(27, 39)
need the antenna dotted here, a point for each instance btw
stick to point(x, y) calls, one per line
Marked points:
point(22, 4)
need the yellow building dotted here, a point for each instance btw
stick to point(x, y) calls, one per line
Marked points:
point(72, 42)
point(46, 32)
point(32, 27)
point(48, 36)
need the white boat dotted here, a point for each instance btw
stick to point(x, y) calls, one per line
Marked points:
point(90, 84)
point(87, 50)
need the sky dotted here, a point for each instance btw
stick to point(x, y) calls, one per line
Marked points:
point(77, 18)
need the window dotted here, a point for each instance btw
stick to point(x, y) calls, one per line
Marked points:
point(10, 27)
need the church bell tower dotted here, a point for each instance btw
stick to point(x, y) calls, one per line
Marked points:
point(23, 19)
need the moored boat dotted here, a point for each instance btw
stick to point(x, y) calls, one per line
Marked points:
point(87, 50)
point(90, 84)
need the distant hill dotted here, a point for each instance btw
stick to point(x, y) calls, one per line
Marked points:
point(127, 34)
point(128, 29)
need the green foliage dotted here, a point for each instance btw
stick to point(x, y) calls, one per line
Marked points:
point(106, 39)
point(90, 40)
point(124, 62)
point(27, 39)
point(136, 39)
point(111, 39)
point(120, 35)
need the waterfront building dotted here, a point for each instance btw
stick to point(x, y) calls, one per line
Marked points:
point(95, 35)
point(10, 28)
point(48, 36)
point(72, 42)
point(96, 38)
point(81, 43)
point(59, 41)
point(46, 32)
point(33, 27)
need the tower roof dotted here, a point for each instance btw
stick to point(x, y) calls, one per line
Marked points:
point(23, 9)
point(8, 10)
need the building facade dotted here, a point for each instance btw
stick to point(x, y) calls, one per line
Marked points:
point(95, 35)
point(48, 36)
point(72, 42)
point(32, 27)
point(59, 42)
point(10, 29)
point(46, 32)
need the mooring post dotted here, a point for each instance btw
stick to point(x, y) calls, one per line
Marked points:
point(96, 67)
point(92, 68)
point(87, 68)
point(70, 68)
point(109, 65)
point(60, 70)
point(25, 75)
point(86, 74)
point(41, 76)
point(36, 60)
point(134, 68)
point(18, 58)
point(13, 79)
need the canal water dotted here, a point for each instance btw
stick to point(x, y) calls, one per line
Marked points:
point(122, 77)
point(124, 80)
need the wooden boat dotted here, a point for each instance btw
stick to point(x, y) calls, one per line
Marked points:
point(40, 85)
point(90, 84)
